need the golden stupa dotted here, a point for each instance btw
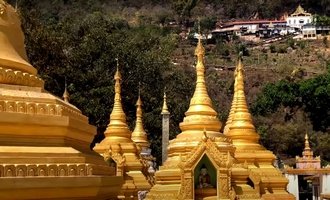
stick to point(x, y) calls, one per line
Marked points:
point(205, 164)
point(44, 141)
point(139, 137)
point(119, 150)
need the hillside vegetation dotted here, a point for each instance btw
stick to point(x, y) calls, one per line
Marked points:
point(287, 84)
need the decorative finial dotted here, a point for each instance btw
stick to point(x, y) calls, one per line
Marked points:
point(307, 153)
point(165, 108)
point(66, 96)
point(139, 136)
point(199, 51)
point(306, 141)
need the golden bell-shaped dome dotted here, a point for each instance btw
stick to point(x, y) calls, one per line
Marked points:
point(12, 50)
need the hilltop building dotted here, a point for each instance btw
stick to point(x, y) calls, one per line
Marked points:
point(299, 18)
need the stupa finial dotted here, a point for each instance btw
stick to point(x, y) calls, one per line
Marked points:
point(200, 111)
point(66, 96)
point(234, 102)
point(139, 136)
point(307, 146)
point(165, 108)
point(117, 116)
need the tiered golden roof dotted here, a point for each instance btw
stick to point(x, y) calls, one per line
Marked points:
point(300, 12)
point(139, 135)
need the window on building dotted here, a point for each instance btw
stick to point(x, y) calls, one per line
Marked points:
point(294, 21)
point(307, 20)
point(301, 21)
point(289, 21)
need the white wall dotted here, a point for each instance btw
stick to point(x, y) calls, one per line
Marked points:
point(325, 184)
point(292, 187)
point(295, 21)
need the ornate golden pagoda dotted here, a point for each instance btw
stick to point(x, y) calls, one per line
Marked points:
point(119, 150)
point(202, 163)
point(308, 161)
point(44, 141)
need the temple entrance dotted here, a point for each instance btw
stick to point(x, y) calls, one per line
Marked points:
point(205, 179)
point(305, 188)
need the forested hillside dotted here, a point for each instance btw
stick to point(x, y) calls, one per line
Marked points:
point(80, 40)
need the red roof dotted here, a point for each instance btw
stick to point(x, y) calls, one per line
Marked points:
point(254, 22)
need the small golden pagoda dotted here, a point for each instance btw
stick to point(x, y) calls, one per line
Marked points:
point(44, 141)
point(308, 161)
point(139, 137)
point(203, 163)
point(120, 151)
point(309, 170)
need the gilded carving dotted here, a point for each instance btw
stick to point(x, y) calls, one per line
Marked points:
point(186, 190)
point(9, 76)
point(2, 7)
point(38, 108)
point(46, 170)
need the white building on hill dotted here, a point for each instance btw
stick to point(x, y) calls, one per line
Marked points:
point(299, 18)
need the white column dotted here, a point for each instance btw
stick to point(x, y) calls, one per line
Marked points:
point(325, 184)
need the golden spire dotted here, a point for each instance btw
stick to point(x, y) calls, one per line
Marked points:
point(234, 102)
point(117, 125)
point(307, 153)
point(242, 130)
point(200, 113)
point(66, 96)
point(139, 136)
point(307, 142)
point(165, 108)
